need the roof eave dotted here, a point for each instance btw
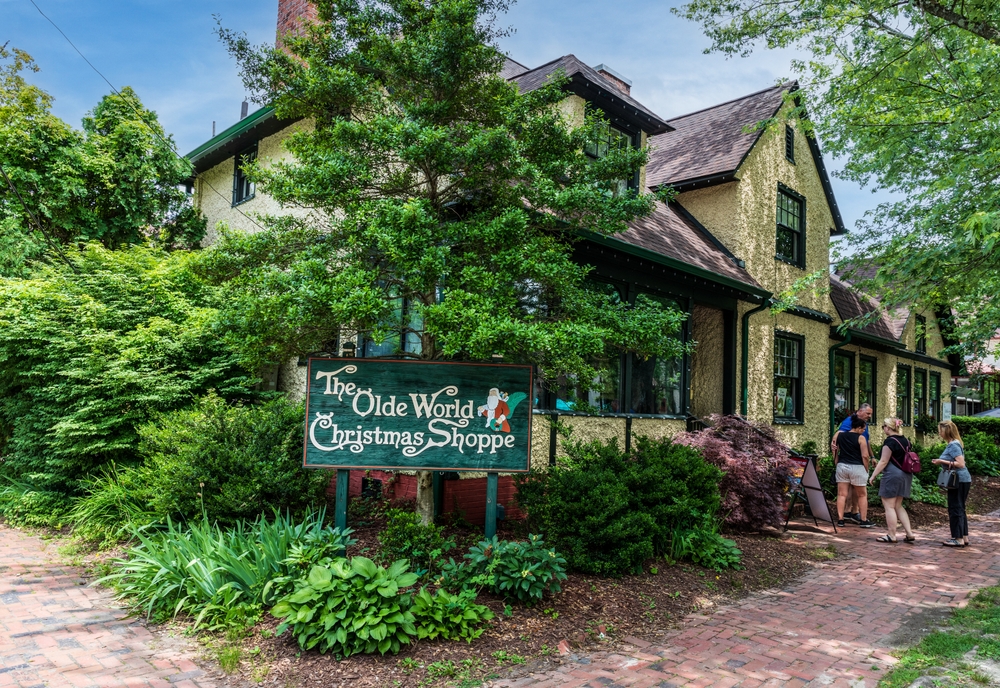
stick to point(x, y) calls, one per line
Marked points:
point(613, 104)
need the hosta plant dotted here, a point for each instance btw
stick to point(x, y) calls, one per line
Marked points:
point(448, 616)
point(521, 570)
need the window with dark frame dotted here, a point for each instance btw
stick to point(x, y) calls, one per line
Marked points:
point(788, 377)
point(921, 332)
point(658, 384)
point(791, 227)
point(404, 340)
point(613, 138)
point(243, 188)
point(919, 393)
point(934, 397)
point(843, 385)
point(789, 143)
point(866, 382)
point(903, 407)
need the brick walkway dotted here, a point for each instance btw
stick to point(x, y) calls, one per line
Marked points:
point(57, 631)
point(829, 629)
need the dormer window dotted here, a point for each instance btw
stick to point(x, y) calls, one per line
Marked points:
point(614, 138)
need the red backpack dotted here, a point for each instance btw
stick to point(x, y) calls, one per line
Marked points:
point(911, 461)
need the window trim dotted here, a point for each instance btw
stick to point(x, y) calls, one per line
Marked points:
point(687, 303)
point(635, 139)
point(799, 418)
point(908, 403)
point(931, 401)
point(921, 372)
point(799, 260)
point(239, 177)
point(874, 390)
point(790, 143)
point(851, 382)
point(920, 340)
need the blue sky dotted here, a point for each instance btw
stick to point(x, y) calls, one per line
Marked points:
point(168, 53)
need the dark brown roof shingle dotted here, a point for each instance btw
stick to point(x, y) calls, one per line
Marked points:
point(850, 304)
point(712, 141)
point(668, 232)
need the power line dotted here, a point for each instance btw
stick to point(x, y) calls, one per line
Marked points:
point(169, 146)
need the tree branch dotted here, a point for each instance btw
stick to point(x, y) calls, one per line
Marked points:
point(937, 9)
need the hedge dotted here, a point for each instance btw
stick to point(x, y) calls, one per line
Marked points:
point(967, 424)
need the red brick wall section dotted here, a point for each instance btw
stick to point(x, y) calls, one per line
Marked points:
point(468, 496)
point(615, 81)
point(290, 14)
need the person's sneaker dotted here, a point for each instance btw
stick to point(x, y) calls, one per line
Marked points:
point(840, 523)
point(866, 524)
point(855, 518)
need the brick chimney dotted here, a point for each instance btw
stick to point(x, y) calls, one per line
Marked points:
point(290, 16)
point(617, 80)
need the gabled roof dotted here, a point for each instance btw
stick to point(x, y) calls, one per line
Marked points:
point(670, 231)
point(511, 68)
point(586, 82)
point(708, 146)
point(850, 304)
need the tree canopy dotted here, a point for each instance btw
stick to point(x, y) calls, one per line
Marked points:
point(909, 93)
point(115, 181)
point(439, 206)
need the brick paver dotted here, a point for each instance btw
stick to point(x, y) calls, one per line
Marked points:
point(57, 631)
point(830, 628)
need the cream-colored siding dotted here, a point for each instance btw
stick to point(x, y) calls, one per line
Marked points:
point(214, 190)
point(707, 361)
point(742, 214)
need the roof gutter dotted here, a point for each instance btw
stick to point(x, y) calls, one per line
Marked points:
point(745, 358)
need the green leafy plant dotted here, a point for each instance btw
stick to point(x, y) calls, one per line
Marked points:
point(705, 547)
point(352, 606)
point(405, 537)
point(231, 461)
point(115, 502)
point(525, 571)
point(448, 616)
point(610, 510)
point(927, 495)
point(206, 572)
point(925, 424)
point(21, 504)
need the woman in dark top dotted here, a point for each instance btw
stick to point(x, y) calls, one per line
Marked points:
point(852, 470)
point(895, 485)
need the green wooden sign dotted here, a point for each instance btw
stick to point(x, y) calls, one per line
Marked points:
point(418, 415)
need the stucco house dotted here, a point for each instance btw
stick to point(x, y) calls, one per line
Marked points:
point(754, 212)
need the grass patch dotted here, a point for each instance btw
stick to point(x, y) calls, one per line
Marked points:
point(954, 655)
point(824, 553)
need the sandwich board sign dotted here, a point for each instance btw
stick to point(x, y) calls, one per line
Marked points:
point(809, 490)
point(417, 415)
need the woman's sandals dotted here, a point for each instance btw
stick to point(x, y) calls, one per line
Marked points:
point(953, 543)
point(886, 538)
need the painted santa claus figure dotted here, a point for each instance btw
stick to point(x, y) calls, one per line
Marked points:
point(496, 411)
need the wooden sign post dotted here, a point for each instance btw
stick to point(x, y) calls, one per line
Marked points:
point(418, 415)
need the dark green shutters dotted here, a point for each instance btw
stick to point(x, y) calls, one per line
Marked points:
point(903, 394)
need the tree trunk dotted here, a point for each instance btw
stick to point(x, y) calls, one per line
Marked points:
point(425, 497)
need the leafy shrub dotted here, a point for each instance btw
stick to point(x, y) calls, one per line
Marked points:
point(927, 495)
point(705, 547)
point(405, 537)
point(448, 616)
point(970, 424)
point(612, 510)
point(521, 570)
point(205, 571)
point(982, 456)
point(755, 467)
point(355, 606)
point(115, 502)
point(89, 354)
point(233, 461)
point(21, 505)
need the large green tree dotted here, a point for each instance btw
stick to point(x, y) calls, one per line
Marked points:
point(115, 181)
point(909, 93)
point(440, 206)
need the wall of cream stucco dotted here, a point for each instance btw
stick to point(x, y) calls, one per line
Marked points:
point(742, 215)
point(707, 330)
point(217, 207)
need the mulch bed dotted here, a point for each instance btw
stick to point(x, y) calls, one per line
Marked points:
point(590, 613)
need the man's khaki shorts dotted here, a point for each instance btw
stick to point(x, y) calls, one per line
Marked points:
point(852, 473)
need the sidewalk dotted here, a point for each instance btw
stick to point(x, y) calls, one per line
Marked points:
point(835, 627)
point(57, 631)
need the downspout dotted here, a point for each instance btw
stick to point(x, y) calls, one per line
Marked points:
point(745, 349)
point(833, 382)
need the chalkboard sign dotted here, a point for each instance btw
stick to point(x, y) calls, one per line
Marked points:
point(418, 415)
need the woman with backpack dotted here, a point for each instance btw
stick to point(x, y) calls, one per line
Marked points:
point(896, 482)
